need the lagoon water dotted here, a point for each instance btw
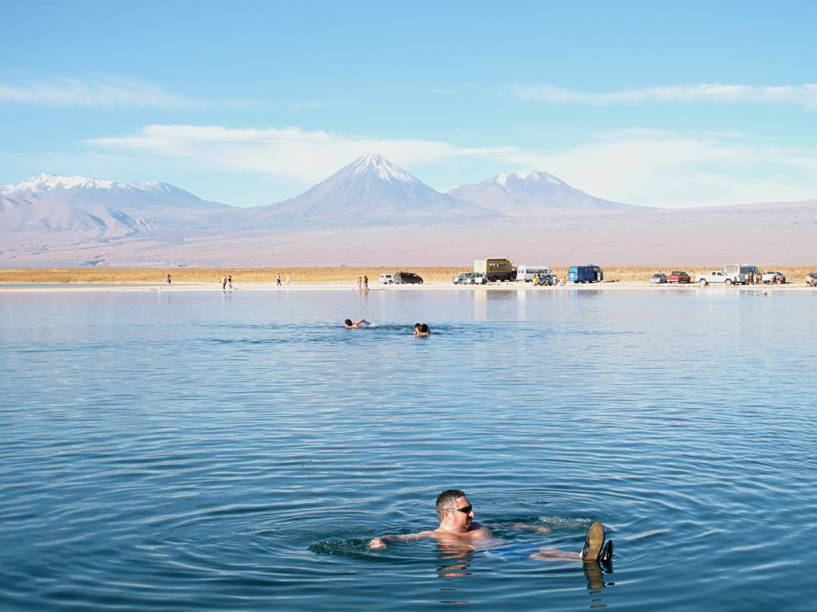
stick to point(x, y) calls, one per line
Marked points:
point(236, 451)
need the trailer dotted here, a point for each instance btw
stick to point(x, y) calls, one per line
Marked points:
point(742, 274)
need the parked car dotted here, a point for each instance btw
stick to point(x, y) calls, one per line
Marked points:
point(658, 278)
point(774, 278)
point(677, 276)
point(407, 278)
point(811, 279)
point(470, 278)
point(715, 277)
point(387, 279)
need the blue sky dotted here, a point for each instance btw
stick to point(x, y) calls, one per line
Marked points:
point(672, 104)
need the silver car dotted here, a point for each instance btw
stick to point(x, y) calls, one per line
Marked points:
point(470, 278)
point(658, 278)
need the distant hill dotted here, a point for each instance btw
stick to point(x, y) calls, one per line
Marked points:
point(369, 191)
point(63, 203)
point(528, 194)
point(29, 212)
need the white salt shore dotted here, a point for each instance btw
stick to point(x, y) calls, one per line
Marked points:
point(350, 286)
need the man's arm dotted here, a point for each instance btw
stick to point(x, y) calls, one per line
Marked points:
point(537, 528)
point(379, 542)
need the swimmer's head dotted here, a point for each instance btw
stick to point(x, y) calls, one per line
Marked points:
point(347, 322)
point(424, 328)
point(446, 500)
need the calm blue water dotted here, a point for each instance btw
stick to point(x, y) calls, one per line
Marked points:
point(210, 451)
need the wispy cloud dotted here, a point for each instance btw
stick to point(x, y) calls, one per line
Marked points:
point(636, 166)
point(801, 95)
point(101, 93)
point(665, 168)
point(305, 156)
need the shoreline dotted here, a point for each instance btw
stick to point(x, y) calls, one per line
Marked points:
point(190, 287)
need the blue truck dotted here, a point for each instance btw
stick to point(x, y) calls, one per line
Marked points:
point(585, 274)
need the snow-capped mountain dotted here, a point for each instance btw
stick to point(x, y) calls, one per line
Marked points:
point(158, 202)
point(100, 208)
point(370, 191)
point(527, 194)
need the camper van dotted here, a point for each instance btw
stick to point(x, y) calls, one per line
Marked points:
point(585, 274)
point(495, 269)
point(741, 274)
point(526, 273)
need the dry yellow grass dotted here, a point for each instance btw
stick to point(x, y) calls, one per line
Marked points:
point(207, 275)
point(314, 275)
point(793, 273)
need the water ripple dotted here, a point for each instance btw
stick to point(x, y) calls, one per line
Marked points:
point(199, 453)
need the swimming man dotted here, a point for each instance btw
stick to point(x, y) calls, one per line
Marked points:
point(421, 329)
point(348, 324)
point(458, 527)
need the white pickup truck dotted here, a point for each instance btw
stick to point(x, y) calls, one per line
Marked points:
point(714, 277)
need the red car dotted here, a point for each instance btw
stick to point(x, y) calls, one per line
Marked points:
point(678, 277)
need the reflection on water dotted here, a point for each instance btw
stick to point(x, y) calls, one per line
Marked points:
point(238, 450)
point(455, 557)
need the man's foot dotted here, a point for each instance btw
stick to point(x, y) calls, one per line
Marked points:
point(606, 555)
point(593, 542)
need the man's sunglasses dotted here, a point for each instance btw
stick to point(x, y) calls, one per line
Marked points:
point(465, 509)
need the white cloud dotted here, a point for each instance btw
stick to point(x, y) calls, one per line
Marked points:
point(801, 95)
point(301, 155)
point(100, 93)
point(637, 166)
point(661, 168)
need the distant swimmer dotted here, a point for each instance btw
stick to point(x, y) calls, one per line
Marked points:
point(348, 324)
point(457, 527)
point(421, 330)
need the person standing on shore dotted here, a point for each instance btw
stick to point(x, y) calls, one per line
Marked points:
point(230, 281)
point(365, 283)
point(278, 281)
point(224, 284)
point(168, 278)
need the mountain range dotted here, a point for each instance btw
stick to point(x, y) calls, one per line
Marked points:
point(369, 212)
point(370, 191)
point(520, 194)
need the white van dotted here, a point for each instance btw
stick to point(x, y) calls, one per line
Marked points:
point(526, 273)
point(387, 279)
